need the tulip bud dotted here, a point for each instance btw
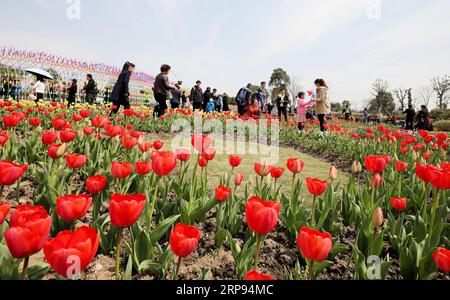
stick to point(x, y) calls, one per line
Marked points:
point(414, 156)
point(378, 218)
point(443, 153)
point(376, 180)
point(360, 168)
point(145, 156)
point(61, 151)
point(332, 173)
point(355, 167)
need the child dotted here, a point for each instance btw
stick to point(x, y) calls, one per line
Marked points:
point(302, 108)
point(210, 107)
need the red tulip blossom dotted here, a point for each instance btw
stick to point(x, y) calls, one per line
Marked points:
point(158, 145)
point(96, 184)
point(35, 122)
point(442, 259)
point(125, 210)
point(238, 179)
point(314, 245)
point(201, 142)
point(145, 147)
point(56, 151)
point(401, 166)
point(209, 154)
point(49, 137)
point(121, 170)
point(376, 163)
point(262, 169)
point(4, 211)
point(376, 181)
point(202, 162)
point(316, 186)
point(276, 173)
point(235, 160)
point(184, 239)
point(71, 252)
point(85, 113)
point(73, 207)
point(29, 229)
point(183, 154)
point(399, 204)
point(163, 163)
point(262, 216)
point(88, 130)
point(67, 136)
point(75, 161)
point(255, 276)
point(222, 193)
point(295, 165)
point(143, 168)
point(10, 173)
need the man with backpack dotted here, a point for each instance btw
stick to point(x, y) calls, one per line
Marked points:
point(197, 96)
point(90, 89)
point(262, 95)
point(243, 99)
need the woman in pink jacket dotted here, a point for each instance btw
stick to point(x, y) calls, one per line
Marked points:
point(302, 109)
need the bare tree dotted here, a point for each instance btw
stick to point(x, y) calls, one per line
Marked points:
point(380, 86)
point(441, 85)
point(401, 95)
point(425, 95)
point(295, 87)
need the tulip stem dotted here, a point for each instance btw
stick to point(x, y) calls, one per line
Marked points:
point(434, 208)
point(293, 183)
point(310, 270)
point(259, 240)
point(177, 269)
point(152, 207)
point(313, 212)
point(2, 187)
point(18, 191)
point(25, 268)
point(119, 242)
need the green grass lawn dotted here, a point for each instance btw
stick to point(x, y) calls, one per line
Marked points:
point(314, 168)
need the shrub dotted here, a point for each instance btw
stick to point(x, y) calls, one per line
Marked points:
point(440, 114)
point(442, 125)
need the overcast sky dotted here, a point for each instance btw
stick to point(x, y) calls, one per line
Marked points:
point(228, 43)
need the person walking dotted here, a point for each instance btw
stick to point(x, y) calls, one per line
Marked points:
point(302, 109)
point(322, 101)
point(175, 102)
point(197, 96)
point(39, 89)
point(120, 95)
point(162, 89)
point(410, 113)
point(90, 89)
point(262, 95)
point(225, 102)
point(243, 99)
point(366, 116)
point(207, 97)
point(72, 92)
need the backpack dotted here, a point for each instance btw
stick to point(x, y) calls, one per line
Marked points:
point(242, 95)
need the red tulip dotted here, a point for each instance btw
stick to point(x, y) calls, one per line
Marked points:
point(238, 178)
point(376, 181)
point(314, 245)
point(158, 145)
point(35, 122)
point(59, 124)
point(49, 137)
point(96, 184)
point(73, 207)
point(262, 216)
point(70, 252)
point(75, 161)
point(202, 162)
point(163, 163)
point(276, 172)
point(57, 151)
point(376, 163)
point(67, 136)
point(88, 130)
point(85, 113)
point(235, 160)
point(399, 204)
point(222, 193)
point(10, 173)
point(439, 178)
point(4, 211)
point(12, 120)
point(184, 239)
point(255, 276)
point(29, 229)
point(262, 169)
point(316, 187)
point(100, 122)
point(209, 154)
point(145, 147)
point(295, 165)
point(129, 142)
point(77, 118)
point(121, 170)
point(201, 142)
point(143, 168)
point(113, 131)
point(442, 259)
point(125, 210)
point(401, 166)
point(183, 154)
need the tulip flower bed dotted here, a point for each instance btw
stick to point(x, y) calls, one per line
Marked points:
point(88, 196)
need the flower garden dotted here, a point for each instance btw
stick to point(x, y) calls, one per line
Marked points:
point(89, 196)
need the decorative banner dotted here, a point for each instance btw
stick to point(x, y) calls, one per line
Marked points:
point(70, 68)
